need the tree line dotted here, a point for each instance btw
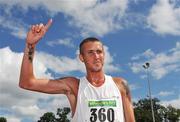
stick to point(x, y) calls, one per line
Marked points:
point(142, 111)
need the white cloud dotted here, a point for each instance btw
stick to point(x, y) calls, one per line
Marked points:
point(164, 17)
point(161, 63)
point(175, 103)
point(165, 93)
point(61, 65)
point(29, 111)
point(17, 28)
point(99, 19)
point(64, 65)
point(134, 87)
point(90, 16)
point(21, 103)
point(137, 1)
point(109, 66)
point(66, 42)
point(148, 54)
point(12, 119)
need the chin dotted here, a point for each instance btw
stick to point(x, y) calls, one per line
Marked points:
point(97, 69)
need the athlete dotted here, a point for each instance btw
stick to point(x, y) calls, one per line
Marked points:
point(96, 97)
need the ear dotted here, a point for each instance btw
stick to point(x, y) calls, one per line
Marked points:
point(81, 57)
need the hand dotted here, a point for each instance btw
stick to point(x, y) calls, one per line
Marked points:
point(37, 32)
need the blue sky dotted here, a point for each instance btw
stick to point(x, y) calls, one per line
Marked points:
point(133, 32)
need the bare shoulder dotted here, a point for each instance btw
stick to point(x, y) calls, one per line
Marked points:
point(119, 80)
point(122, 84)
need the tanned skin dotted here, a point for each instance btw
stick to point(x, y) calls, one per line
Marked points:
point(92, 56)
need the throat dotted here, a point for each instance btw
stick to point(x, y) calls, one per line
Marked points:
point(97, 82)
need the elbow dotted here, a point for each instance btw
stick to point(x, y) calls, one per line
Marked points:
point(21, 85)
point(24, 84)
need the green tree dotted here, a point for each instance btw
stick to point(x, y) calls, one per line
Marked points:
point(62, 114)
point(172, 114)
point(142, 111)
point(48, 117)
point(3, 119)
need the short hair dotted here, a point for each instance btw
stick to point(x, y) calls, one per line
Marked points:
point(89, 39)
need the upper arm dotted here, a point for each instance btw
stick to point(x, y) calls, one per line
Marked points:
point(126, 99)
point(123, 86)
point(56, 86)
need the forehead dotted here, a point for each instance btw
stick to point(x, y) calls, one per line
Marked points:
point(92, 46)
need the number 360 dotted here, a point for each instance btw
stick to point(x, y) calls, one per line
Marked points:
point(102, 114)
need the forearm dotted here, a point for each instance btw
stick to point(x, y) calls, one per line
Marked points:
point(26, 73)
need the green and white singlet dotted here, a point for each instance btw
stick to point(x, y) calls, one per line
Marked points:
point(98, 104)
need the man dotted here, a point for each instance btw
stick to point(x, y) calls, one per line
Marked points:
point(94, 98)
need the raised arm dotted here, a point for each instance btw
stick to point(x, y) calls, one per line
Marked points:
point(126, 99)
point(27, 77)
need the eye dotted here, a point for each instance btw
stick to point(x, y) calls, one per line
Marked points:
point(99, 51)
point(90, 52)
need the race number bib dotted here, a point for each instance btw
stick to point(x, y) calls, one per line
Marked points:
point(102, 110)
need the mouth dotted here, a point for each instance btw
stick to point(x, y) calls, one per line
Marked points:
point(97, 62)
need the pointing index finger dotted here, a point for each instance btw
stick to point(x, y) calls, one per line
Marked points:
point(48, 24)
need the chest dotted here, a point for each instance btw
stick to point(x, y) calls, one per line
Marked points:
point(107, 91)
point(102, 104)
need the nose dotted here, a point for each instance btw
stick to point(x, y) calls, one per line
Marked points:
point(96, 55)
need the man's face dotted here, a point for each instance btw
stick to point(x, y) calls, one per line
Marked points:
point(93, 56)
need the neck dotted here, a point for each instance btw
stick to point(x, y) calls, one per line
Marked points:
point(96, 78)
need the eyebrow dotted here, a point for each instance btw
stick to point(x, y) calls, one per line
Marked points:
point(95, 50)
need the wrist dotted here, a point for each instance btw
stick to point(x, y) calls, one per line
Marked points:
point(30, 45)
point(30, 51)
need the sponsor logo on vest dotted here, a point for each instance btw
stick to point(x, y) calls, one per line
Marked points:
point(101, 103)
